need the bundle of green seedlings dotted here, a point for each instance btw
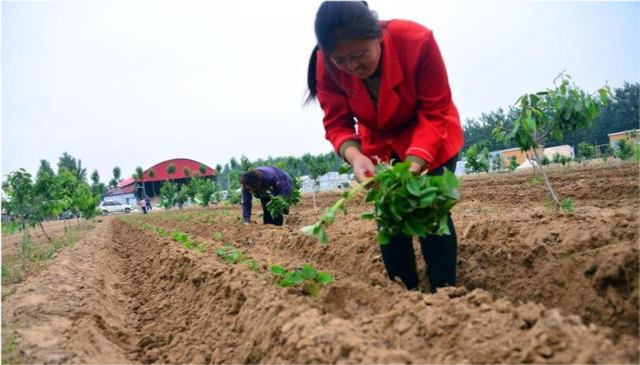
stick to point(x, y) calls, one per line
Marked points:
point(307, 275)
point(279, 204)
point(404, 203)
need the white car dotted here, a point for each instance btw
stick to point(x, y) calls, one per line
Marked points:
point(113, 206)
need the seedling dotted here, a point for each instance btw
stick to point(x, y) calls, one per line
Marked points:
point(404, 203)
point(182, 238)
point(230, 254)
point(217, 236)
point(307, 275)
point(567, 205)
point(201, 247)
point(551, 113)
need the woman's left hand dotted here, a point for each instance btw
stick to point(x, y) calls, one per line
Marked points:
point(417, 168)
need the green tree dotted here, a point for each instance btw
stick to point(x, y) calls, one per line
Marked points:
point(168, 194)
point(586, 151)
point(139, 177)
point(202, 169)
point(513, 163)
point(625, 149)
point(477, 158)
point(552, 113)
point(69, 163)
point(186, 171)
point(171, 169)
point(116, 177)
point(20, 193)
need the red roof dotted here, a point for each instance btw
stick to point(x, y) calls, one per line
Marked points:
point(160, 170)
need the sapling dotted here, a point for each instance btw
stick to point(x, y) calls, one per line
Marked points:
point(551, 113)
point(307, 274)
point(404, 203)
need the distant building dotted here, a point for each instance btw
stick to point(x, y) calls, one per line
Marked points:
point(128, 190)
point(329, 181)
point(615, 138)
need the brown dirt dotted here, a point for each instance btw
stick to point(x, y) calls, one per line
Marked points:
point(535, 286)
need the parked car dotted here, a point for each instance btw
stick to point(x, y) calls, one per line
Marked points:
point(113, 206)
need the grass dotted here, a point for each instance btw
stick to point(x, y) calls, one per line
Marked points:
point(17, 267)
point(9, 354)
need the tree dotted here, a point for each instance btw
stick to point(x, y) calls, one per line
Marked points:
point(116, 177)
point(69, 163)
point(202, 169)
point(171, 169)
point(204, 189)
point(552, 113)
point(152, 174)
point(168, 193)
point(245, 164)
point(45, 201)
point(139, 176)
point(586, 151)
point(316, 169)
point(513, 163)
point(477, 158)
point(186, 171)
point(97, 188)
point(20, 193)
point(625, 149)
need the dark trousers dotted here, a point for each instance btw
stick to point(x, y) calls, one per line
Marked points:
point(266, 215)
point(439, 253)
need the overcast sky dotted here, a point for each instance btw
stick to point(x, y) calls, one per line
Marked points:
point(135, 83)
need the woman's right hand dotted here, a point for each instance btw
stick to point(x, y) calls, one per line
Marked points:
point(362, 165)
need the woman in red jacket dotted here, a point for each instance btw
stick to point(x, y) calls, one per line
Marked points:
point(388, 79)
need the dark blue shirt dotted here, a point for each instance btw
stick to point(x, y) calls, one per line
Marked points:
point(274, 182)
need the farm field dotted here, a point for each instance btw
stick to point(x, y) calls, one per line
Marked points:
point(534, 285)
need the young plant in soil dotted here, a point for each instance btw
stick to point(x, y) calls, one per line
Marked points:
point(404, 203)
point(183, 238)
point(551, 113)
point(307, 276)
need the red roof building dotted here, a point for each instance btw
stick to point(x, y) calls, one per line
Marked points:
point(153, 184)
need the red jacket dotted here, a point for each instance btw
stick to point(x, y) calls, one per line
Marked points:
point(415, 115)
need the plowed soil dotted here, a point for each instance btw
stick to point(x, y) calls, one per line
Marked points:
point(535, 286)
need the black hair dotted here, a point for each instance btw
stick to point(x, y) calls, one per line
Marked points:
point(336, 21)
point(251, 180)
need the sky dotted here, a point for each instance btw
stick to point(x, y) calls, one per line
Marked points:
point(134, 83)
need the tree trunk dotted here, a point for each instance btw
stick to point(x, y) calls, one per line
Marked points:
point(25, 239)
point(553, 194)
point(44, 232)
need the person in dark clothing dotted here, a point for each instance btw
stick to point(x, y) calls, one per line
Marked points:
point(388, 78)
point(147, 201)
point(264, 182)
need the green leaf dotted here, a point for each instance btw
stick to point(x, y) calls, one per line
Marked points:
point(291, 279)
point(308, 230)
point(324, 278)
point(308, 272)
point(278, 270)
point(322, 236)
point(368, 215)
point(383, 237)
point(413, 187)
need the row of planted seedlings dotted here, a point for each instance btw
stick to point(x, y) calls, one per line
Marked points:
point(305, 277)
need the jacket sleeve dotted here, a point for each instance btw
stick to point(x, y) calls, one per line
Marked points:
point(435, 107)
point(339, 123)
point(246, 204)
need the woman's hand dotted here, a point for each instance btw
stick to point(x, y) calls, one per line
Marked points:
point(362, 165)
point(417, 169)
